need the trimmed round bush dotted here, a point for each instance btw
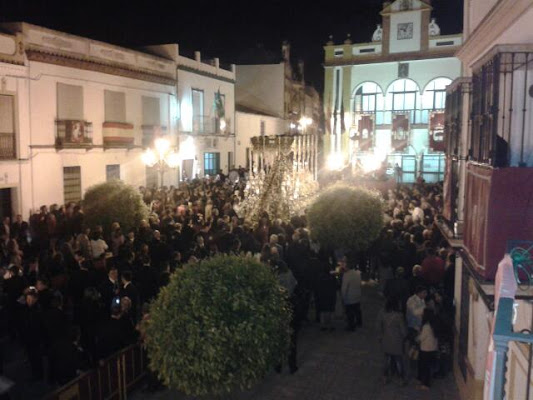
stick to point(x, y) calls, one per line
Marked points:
point(113, 201)
point(346, 217)
point(220, 325)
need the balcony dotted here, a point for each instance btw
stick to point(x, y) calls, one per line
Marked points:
point(8, 148)
point(207, 125)
point(501, 126)
point(74, 133)
point(118, 135)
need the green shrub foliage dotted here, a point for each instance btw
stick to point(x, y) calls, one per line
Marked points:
point(218, 326)
point(346, 217)
point(113, 201)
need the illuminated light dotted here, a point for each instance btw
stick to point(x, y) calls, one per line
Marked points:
point(149, 158)
point(162, 146)
point(335, 162)
point(292, 125)
point(305, 121)
point(222, 124)
point(173, 159)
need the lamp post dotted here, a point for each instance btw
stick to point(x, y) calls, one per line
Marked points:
point(162, 157)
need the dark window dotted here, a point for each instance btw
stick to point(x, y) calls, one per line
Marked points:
point(72, 184)
point(367, 50)
point(262, 128)
point(446, 43)
point(112, 172)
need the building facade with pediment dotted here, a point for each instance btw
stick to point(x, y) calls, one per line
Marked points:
point(384, 99)
point(76, 112)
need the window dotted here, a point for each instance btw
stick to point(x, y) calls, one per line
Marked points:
point(338, 52)
point(151, 111)
point(115, 106)
point(368, 98)
point(72, 184)
point(435, 95)
point(69, 102)
point(262, 128)
point(231, 162)
point(197, 110)
point(211, 163)
point(112, 172)
point(403, 94)
point(7, 128)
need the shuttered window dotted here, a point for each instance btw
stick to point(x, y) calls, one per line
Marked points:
point(69, 102)
point(112, 172)
point(72, 184)
point(151, 111)
point(7, 128)
point(115, 106)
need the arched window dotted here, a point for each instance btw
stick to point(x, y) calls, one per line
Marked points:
point(402, 95)
point(368, 98)
point(434, 97)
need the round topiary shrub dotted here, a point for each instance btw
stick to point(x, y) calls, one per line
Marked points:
point(346, 217)
point(113, 201)
point(218, 326)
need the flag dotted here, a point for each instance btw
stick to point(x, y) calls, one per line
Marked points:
point(219, 105)
point(343, 127)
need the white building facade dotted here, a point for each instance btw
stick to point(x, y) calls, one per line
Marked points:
point(77, 112)
point(384, 100)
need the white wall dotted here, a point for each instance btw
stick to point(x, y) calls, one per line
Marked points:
point(38, 176)
point(190, 80)
point(187, 81)
point(248, 126)
point(261, 87)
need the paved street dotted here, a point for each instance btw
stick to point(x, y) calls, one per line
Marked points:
point(336, 366)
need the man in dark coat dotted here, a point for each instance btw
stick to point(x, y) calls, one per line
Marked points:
point(67, 358)
point(129, 290)
point(32, 333)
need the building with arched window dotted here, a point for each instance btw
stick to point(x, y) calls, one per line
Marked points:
point(384, 100)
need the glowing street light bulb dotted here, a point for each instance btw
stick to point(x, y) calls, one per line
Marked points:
point(172, 159)
point(149, 158)
point(335, 162)
point(222, 124)
point(162, 146)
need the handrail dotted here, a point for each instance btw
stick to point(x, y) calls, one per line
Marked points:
point(110, 379)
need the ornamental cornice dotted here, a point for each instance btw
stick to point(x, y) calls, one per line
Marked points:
point(496, 22)
point(38, 54)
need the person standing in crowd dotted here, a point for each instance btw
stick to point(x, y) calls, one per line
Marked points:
point(326, 298)
point(351, 297)
point(392, 332)
point(289, 283)
point(429, 346)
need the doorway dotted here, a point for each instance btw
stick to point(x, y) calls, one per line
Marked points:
point(6, 209)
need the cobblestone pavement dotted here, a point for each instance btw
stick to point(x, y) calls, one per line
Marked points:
point(336, 365)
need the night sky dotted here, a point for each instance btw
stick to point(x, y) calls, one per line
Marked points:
point(224, 29)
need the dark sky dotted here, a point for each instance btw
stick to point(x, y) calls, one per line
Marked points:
point(224, 29)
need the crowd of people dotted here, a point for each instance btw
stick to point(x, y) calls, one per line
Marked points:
point(417, 273)
point(73, 296)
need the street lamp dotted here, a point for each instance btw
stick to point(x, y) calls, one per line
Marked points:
point(162, 157)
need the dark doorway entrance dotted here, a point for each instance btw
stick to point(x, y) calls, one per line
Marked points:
point(5, 203)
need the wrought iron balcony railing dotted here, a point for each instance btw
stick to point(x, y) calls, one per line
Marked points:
point(73, 133)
